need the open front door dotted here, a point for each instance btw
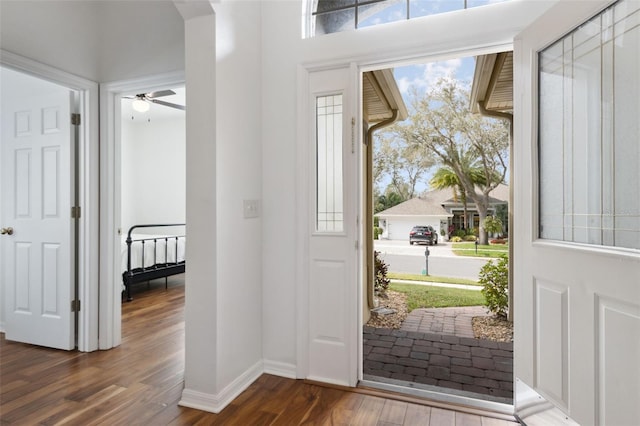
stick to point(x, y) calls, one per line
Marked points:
point(37, 235)
point(330, 302)
point(577, 215)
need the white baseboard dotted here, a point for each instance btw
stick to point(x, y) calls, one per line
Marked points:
point(1, 327)
point(216, 403)
point(282, 369)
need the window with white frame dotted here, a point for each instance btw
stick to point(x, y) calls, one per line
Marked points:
point(589, 137)
point(331, 16)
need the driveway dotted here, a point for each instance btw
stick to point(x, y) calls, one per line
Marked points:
point(402, 257)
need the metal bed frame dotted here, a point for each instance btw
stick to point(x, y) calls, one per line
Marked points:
point(158, 270)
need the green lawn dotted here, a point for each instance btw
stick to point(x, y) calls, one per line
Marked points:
point(469, 250)
point(429, 278)
point(421, 296)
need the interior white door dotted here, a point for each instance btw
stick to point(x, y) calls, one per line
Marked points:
point(36, 204)
point(331, 226)
point(577, 215)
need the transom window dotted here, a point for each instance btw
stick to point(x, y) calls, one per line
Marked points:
point(331, 16)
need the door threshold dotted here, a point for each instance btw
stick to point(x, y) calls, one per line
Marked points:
point(451, 399)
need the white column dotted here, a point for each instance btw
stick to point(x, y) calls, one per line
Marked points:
point(201, 286)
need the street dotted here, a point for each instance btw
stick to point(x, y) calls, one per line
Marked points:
point(401, 257)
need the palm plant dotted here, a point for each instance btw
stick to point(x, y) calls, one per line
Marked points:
point(445, 177)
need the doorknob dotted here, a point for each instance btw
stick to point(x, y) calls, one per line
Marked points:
point(8, 231)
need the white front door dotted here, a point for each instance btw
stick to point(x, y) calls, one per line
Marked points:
point(36, 243)
point(577, 215)
point(331, 203)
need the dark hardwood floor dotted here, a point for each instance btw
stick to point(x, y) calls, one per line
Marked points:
point(140, 382)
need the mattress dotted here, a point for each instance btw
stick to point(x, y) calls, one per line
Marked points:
point(148, 250)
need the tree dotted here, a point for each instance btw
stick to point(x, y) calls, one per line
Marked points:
point(445, 177)
point(387, 200)
point(443, 125)
point(405, 164)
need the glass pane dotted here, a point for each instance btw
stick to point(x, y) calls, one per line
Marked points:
point(419, 8)
point(333, 22)
point(329, 203)
point(332, 5)
point(476, 3)
point(589, 121)
point(382, 12)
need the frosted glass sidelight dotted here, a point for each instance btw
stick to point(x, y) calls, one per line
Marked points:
point(589, 122)
point(329, 202)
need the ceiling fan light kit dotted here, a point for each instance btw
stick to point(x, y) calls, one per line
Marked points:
point(140, 105)
point(142, 102)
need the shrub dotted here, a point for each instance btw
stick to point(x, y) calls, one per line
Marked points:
point(495, 281)
point(381, 283)
point(469, 238)
point(376, 232)
point(459, 233)
point(492, 224)
point(456, 239)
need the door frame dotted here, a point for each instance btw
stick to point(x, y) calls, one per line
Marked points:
point(110, 196)
point(358, 67)
point(87, 238)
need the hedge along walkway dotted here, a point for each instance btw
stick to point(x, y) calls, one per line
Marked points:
point(426, 359)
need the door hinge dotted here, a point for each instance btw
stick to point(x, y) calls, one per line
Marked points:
point(75, 119)
point(75, 212)
point(75, 306)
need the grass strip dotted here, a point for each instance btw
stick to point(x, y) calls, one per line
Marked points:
point(429, 278)
point(419, 296)
point(469, 250)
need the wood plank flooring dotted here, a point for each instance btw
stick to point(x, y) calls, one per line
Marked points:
point(140, 383)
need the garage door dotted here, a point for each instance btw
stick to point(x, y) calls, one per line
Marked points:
point(399, 230)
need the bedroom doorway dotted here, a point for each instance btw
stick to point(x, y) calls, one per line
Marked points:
point(143, 164)
point(152, 186)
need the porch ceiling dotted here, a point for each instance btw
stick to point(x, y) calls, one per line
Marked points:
point(493, 83)
point(381, 96)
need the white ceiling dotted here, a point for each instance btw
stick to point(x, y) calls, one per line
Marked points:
point(156, 111)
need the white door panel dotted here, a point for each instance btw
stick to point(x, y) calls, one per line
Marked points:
point(331, 229)
point(36, 203)
point(576, 270)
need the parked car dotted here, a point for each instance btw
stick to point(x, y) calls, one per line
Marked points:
point(423, 234)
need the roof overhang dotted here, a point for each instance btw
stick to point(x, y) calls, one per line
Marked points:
point(381, 97)
point(493, 83)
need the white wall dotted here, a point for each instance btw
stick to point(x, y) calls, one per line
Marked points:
point(153, 168)
point(282, 51)
point(239, 177)
point(98, 40)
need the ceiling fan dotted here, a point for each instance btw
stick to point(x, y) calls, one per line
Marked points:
point(142, 100)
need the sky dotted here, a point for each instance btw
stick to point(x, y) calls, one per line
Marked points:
point(422, 77)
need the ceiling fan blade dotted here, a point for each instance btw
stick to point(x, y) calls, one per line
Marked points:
point(169, 104)
point(160, 94)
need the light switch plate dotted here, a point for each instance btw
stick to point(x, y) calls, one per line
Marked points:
point(251, 208)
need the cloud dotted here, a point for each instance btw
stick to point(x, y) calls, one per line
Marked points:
point(428, 74)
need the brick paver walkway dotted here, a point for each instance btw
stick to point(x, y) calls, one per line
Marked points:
point(436, 347)
point(453, 321)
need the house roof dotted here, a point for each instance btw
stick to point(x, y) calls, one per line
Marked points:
point(431, 203)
